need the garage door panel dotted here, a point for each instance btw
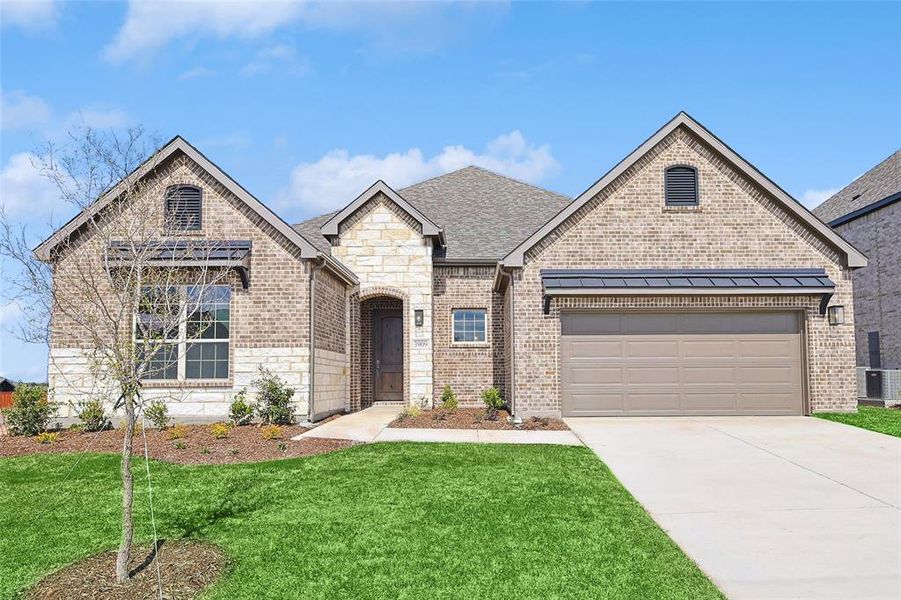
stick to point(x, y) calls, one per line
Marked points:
point(596, 375)
point(709, 375)
point(640, 376)
point(681, 363)
point(653, 348)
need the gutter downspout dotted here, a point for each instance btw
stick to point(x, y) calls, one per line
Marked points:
point(312, 362)
point(512, 392)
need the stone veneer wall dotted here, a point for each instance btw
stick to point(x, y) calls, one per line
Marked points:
point(877, 287)
point(627, 226)
point(269, 321)
point(385, 249)
point(468, 368)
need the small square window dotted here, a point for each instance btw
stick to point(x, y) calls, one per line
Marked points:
point(469, 325)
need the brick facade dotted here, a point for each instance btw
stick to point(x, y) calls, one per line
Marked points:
point(468, 368)
point(627, 226)
point(877, 287)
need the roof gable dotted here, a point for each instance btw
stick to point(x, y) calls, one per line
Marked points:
point(178, 144)
point(331, 226)
point(854, 258)
point(879, 183)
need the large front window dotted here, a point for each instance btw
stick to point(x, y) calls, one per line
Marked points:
point(186, 332)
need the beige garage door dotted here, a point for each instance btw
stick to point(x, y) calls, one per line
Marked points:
point(681, 364)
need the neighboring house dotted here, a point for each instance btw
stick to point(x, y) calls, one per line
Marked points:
point(682, 282)
point(867, 212)
point(7, 388)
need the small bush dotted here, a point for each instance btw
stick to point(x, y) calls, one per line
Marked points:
point(448, 399)
point(177, 432)
point(409, 413)
point(233, 452)
point(48, 437)
point(158, 414)
point(493, 403)
point(92, 416)
point(30, 413)
point(273, 399)
point(220, 430)
point(76, 427)
point(180, 445)
point(282, 447)
point(272, 432)
point(204, 450)
point(439, 414)
point(241, 411)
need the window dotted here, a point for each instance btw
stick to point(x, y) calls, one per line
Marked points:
point(187, 331)
point(681, 186)
point(469, 325)
point(183, 208)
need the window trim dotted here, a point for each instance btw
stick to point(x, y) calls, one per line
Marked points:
point(666, 200)
point(182, 342)
point(168, 223)
point(487, 340)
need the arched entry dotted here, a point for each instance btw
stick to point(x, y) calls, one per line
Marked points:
point(383, 366)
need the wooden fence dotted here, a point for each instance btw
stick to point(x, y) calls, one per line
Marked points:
point(6, 399)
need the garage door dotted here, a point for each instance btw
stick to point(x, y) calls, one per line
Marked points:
point(681, 364)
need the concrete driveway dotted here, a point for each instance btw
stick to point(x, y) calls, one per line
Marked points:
point(769, 507)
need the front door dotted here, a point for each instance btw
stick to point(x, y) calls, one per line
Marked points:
point(388, 355)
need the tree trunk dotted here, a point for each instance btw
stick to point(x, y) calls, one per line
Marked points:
point(124, 554)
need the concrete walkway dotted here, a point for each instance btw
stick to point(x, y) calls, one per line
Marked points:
point(483, 436)
point(360, 426)
point(371, 425)
point(769, 507)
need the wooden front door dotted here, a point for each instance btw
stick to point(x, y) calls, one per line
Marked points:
point(388, 355)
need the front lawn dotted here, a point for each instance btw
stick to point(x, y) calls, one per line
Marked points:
point(375, 521)
point(874, 418)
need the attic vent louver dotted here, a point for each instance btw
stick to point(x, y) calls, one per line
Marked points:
point(183, 208)
point(681, 186)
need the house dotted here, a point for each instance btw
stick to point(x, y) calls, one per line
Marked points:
point(7, 388)
point(867, 212)
point(683, 281)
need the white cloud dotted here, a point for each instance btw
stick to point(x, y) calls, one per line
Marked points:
point(30, 15)
point(151, 24)
point(280, 56)
point(24, 191)
point(813, 198)
point(18, 110)
point(196, 73)
point(398, 26)
point(337, 177)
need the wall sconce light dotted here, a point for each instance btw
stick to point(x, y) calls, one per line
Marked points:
point(836, 315)
point(418, 317)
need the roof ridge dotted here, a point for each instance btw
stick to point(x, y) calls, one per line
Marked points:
point(490, 172)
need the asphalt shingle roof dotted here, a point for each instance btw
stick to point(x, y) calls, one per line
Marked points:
point(484, 215)
point(880, 182)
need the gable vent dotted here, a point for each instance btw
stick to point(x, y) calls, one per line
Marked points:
point(183, 208)
point(681, 186)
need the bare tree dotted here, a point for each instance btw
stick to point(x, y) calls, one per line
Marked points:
point(121, 290)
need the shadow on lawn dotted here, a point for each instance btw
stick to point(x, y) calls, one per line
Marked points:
point(240, 498)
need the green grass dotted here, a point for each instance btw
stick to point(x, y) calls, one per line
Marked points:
point(375, 521)
point(874, 418)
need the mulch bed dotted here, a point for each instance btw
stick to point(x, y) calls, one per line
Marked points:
point(473, 418)
point(196, 447)
point(186, 569)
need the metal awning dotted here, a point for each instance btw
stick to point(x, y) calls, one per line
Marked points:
point(228, 254)
point(700, 282)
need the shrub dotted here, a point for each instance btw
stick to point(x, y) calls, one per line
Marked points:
point(241, 411)
point(220, 430)
point(30, 413)
point(272, 432)
point(92, 416)
point(282, 447)
point(177, 432)
point(493, 402)
point(158, 414)
point(439, 415)
point(180, 445)
point(448, 399)
point(233, 452)
point(409, 413)
point(48, 437)
point(273, 399)
point(204, 450)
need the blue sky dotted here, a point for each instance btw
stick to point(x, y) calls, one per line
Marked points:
point(306, 104)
